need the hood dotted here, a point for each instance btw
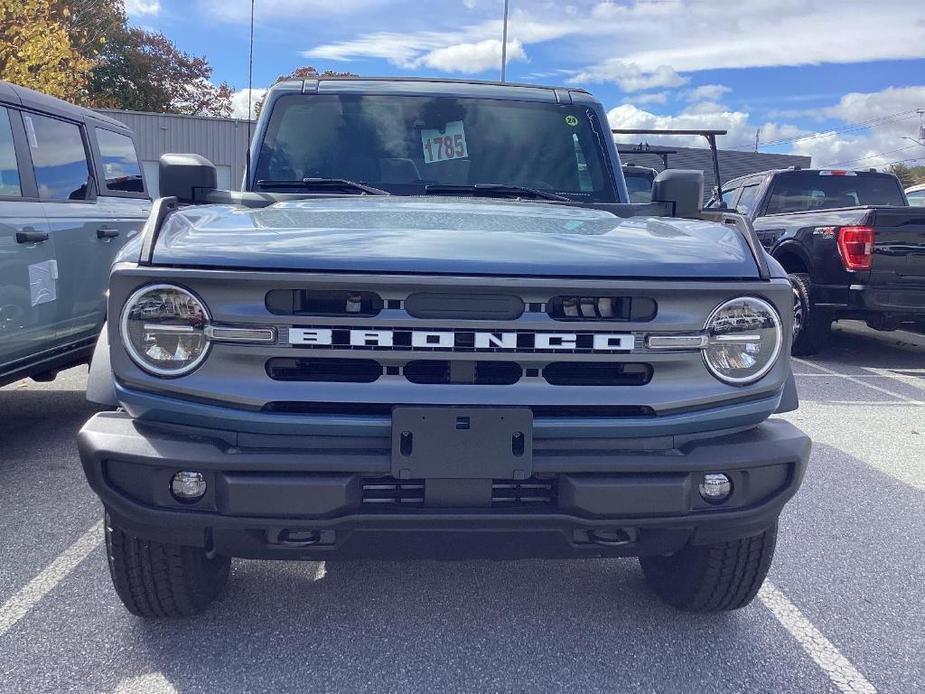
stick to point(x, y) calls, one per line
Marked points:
point(443, 235)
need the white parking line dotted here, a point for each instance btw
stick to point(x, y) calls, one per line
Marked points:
point(860, 382)
point(840, 671)
point(26, 598)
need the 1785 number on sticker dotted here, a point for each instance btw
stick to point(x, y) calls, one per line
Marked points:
point(446, 144)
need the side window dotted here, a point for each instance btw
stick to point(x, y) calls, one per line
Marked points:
point(916, 198)
point(729, 197)
point(59, 158)
point(9, 170)
point(121, 168)
point(748, 199)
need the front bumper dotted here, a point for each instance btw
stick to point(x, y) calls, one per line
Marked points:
point(307, 497)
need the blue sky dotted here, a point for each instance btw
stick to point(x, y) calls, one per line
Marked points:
point(839, 81)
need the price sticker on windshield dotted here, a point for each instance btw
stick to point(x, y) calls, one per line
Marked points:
point(446, 144)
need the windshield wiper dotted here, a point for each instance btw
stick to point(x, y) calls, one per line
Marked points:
point(342, 184)
point(491, 190)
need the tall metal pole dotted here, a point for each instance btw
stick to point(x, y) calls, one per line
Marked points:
point(504, 42)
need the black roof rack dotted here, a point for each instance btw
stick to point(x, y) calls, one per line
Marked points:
point(710, 136)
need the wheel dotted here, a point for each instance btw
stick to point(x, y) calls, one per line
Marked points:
point(154, 579)
point(712, 578)
point(811, 327)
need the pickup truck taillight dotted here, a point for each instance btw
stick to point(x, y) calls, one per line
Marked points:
point(856, 245)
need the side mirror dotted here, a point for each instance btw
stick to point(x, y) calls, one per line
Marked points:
point(185, 176)
point(683, 188)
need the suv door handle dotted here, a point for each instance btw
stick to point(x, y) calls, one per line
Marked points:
point(28, 235)
point(107, 233)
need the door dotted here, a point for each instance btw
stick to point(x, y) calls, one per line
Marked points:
point(122, 200)
point(28, 278)
point(67, 190)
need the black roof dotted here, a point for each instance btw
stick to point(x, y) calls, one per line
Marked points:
point(29, 98)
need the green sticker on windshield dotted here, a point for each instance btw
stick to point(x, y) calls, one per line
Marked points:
point(571, 120)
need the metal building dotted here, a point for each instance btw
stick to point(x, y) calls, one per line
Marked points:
point(732, 163)
point(223, 141)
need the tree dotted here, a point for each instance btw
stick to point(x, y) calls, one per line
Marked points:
point(37, 50)
point(903, 173)
point(144, 71)
point(306, 72)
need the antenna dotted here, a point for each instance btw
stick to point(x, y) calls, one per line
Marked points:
point(250, 95)
point(504, 42)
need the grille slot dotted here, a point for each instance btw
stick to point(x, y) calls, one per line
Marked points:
point(323, 302)
point(389, 492)
point(439, 371)
point(324, 370)
point(568, 373)
point(523, 493)
point(465, 306)
point(601, 308)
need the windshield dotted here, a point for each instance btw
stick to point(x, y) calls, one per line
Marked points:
point(403, 143)
point(813, 190)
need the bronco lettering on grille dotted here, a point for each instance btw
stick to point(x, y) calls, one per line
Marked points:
point(461, 340)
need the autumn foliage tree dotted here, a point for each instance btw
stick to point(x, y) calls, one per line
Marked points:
point(37, 49)
point(85, 51)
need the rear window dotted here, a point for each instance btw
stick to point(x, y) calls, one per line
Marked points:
point(801, 191)
point(120, 162)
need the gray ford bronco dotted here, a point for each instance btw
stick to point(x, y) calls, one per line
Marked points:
point(431, 325)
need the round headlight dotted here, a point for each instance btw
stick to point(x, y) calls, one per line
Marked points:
point(744, 340)
point(163, 329)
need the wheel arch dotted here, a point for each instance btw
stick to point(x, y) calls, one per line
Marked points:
point(101, 384)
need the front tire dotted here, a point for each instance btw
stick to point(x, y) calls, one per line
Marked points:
point(811, 327)
point(157, 580)
point(712, 578)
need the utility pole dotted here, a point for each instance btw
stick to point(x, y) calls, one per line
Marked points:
point(504, 42)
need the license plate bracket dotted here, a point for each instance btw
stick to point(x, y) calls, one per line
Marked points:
point(462, 442)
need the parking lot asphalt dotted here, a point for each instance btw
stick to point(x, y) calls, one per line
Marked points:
point(843, 612)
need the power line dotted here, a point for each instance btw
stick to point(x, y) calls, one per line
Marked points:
point(871, 156)
point(852, 127)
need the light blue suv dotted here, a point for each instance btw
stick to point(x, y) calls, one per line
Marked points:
point(71, 194)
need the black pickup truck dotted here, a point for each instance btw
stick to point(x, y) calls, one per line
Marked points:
point(853, 246)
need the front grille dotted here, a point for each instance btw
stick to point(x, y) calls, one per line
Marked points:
point(390, 493)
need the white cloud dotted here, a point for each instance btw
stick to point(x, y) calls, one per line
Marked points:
point(646, 43)
point(472, 57)
point(141, 8)
point(741, 130)
point(239, 102)
point(870, 129)
point(707, 92)
point(630, 76)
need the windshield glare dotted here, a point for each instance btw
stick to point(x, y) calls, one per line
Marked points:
point(403, 143)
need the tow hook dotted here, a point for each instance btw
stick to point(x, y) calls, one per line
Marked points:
point(613, 537)
point(289, 537)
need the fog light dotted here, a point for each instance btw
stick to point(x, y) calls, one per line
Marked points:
point(188, 486)
point(715, 487)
